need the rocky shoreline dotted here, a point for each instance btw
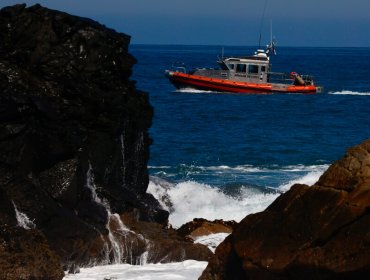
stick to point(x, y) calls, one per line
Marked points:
point(74, 148)
point(309, 232)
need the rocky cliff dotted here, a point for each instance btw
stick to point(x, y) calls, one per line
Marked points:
point(316, 232)
point(74, 144)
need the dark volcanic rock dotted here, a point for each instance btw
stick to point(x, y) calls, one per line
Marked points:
point(25, 254)
point(73, 130)
point(317, 232)
point(164, 244)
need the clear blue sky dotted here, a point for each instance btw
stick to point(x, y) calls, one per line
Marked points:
point(227, 22)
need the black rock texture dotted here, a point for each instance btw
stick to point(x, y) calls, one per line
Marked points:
point(73, 130)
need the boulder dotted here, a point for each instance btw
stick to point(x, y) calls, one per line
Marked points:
point(310, 232)
point(163, 244)
point(201, 227)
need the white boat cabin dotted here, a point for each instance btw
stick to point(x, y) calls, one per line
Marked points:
point(251, 68)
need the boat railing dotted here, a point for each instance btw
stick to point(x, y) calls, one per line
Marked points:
point(308, 79)
point(272, 77)
point(279, 78)
point(287, 78)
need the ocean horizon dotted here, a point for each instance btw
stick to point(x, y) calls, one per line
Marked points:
point(248, 46)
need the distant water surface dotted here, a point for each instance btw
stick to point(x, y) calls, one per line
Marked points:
point(245, 145)
point(197, 133)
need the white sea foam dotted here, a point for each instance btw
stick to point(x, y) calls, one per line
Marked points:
point(186, 270)
point(349, 92)
point(309, 179)
point(22, 219)
point(212, 240)
point(194, 200)
point(193, 90)
point(90, 184)
point(188, 200)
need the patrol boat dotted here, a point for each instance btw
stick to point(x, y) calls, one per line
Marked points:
point(250, 74)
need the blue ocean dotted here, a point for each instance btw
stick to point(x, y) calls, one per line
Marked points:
point(228, 155)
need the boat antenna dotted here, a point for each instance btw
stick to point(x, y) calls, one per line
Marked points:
point(261, 23)
point(271, 46)
point(270, 32)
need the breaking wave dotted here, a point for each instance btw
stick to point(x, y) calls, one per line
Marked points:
point(190, 199)
point(223, 175)
point(212, 240)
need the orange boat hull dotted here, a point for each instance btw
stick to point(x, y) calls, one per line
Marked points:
point(183, 80)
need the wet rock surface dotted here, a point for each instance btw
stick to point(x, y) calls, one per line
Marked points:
point(73, 131)
point(163, 244)
point(200, 227)
point(317, 232)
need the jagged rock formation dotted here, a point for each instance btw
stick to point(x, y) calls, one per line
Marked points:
point(73, 132)
point(317, 232)
point(159, 245)
point(200, 227)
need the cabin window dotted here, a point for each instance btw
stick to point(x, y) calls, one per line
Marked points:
point(263, 68)
point(253, 69)
point(241, 68)
point(224, 66)
point(231, 66)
